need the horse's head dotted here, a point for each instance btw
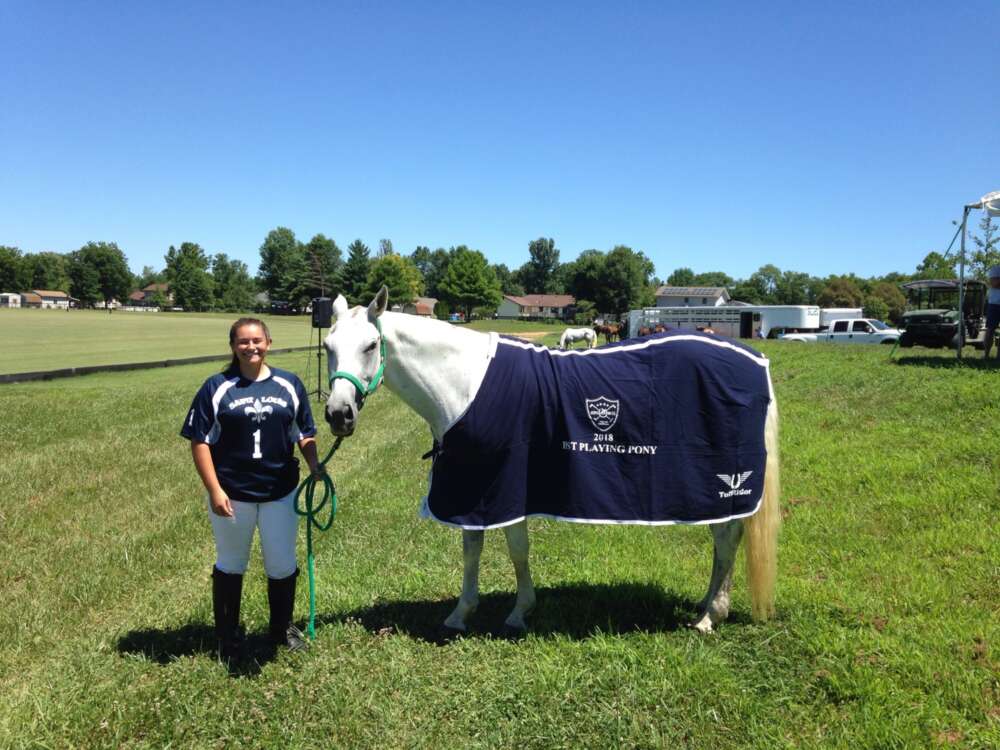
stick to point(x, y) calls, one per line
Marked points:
point(355, 353)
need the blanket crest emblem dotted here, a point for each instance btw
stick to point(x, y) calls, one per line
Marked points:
point(603, 412)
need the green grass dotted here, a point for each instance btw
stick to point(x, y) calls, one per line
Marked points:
point(888, 600)
point(54, 339)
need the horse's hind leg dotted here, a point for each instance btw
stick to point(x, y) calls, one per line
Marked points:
point(472, 550)
point(517, 546)
point(714, 608)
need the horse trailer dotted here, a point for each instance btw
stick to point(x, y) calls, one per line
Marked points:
point(735, 321)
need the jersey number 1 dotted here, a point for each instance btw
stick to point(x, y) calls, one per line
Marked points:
point(256, 445)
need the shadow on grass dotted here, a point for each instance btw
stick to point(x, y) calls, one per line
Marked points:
point(578, 611)
point(968, 361)
point(194, 639)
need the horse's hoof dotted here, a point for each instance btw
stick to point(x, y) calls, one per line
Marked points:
point(703, 626)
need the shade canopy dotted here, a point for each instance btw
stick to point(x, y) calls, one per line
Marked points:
point(990, 203)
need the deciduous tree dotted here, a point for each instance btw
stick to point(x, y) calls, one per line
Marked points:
point(234, 289)
point(936, 266)
point(987, 252)
point(13, 275)
point(681, 277)
point(188, 277)
point(538, 274)
point(279, 254)
point(398, 274)
point(626, 281)
point(99, 271)
point(46, 270)
point(469, 281)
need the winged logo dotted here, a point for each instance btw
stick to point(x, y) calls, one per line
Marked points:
point(258, 411)
point(734, 481)
point(603, 412)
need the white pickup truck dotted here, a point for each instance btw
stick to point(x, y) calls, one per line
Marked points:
point(850, 331)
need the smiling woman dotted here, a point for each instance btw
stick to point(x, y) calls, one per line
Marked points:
point(243, 425)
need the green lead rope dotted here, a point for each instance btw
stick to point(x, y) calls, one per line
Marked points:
point(311, 513)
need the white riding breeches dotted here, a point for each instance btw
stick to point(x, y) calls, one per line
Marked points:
point(278, 525)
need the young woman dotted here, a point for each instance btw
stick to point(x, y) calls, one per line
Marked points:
point(243, 426)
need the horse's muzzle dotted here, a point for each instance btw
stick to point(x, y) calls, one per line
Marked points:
point(342, 420)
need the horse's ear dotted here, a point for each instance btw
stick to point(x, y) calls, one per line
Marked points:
point(379, 304)
point(339, 306)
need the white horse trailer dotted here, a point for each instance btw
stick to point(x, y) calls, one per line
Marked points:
point(736, 321)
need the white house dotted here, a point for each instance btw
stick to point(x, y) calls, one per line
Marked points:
point(10, 299)
point(691, 296)
point(53, 299)
point(536, 306)
point(423, 306)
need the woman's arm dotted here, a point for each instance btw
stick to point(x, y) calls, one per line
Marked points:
point(308, 447)
point(202, 455)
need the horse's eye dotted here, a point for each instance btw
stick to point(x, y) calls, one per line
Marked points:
point(371, 347)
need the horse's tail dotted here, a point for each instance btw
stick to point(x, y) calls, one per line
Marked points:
point(761, 529)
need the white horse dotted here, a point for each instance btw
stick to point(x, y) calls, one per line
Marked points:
point(572, 335)
point(437, 370)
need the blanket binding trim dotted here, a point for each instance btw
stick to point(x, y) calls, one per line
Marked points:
point(425, 512)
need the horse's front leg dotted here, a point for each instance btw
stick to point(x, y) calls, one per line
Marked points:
point(714, 608)
point(472, 550)
point(517, 547)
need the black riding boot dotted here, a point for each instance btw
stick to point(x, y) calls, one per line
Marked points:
point(227, 589)
point(281, 599)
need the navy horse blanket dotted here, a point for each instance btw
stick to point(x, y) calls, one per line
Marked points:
point(662, 429)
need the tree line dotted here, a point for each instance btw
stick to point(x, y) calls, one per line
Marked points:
point(460, 278)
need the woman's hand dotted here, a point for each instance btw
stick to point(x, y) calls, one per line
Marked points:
point(220, 504)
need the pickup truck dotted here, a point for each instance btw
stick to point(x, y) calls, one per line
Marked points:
point(850, 331)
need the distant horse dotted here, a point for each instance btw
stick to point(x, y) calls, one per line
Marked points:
point(610, 331)
point(522, 430)
point(644, 331)
point(660, 328)
point(572, 335)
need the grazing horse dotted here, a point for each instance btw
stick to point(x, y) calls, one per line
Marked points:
point(610, 330)
point(522, 430)
point(572, 335)
point(645, 330)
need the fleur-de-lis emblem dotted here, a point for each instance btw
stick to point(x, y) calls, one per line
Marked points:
point(258, 411)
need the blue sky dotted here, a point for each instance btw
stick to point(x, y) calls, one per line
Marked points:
point(825, 138)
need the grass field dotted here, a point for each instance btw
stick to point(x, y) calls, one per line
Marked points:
point(888, 597)
point(55, 339)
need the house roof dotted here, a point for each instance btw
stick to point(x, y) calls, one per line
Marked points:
point(542, 300)
point(30, 297)
point(47, 293)
point(692, 291)
point(137, 295)
point(156, 288)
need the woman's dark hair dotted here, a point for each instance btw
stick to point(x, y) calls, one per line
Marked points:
point(234, 363)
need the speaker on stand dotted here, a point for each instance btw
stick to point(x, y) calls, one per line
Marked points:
point(322, 317)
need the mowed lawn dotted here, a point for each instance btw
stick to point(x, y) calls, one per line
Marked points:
point(888, 599)
point(55, 339)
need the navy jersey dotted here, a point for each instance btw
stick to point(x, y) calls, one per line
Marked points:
point(252, 428)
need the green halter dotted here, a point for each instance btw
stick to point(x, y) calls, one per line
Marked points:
point(368, 390)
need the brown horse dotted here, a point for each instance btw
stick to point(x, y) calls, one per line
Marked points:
point(611, 331)
point(645, 330)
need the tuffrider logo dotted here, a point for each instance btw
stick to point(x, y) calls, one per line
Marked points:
point(603, 412)
point(734, 482)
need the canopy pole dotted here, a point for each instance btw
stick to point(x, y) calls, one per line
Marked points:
point(961, 286)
